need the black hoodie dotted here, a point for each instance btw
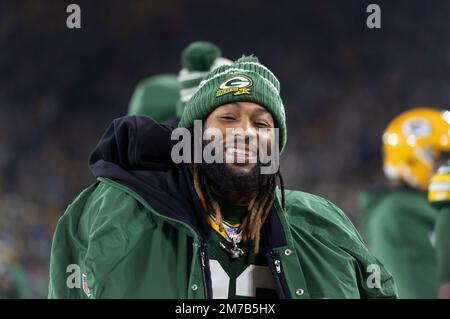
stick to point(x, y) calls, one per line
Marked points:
point(136, 151)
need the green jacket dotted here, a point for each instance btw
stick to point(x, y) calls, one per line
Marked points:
point(443, 245)
point(398, 226)
point(139, 232)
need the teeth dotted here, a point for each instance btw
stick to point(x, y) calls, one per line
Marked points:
point(238, 151)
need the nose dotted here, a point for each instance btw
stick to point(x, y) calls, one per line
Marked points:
point(248, 129)
point(246, 134)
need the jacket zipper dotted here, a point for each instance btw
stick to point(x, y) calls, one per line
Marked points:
point(205, 271)
point(282, 287)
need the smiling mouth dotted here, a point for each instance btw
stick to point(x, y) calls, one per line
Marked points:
point(240, 151)
point(240, 155)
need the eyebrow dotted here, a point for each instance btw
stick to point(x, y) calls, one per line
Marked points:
point(259, 109)
point(262, 110)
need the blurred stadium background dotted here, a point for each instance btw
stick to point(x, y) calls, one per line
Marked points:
point(59, 89)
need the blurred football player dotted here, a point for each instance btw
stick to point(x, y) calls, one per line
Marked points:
point(398, 222)
point(439, 197)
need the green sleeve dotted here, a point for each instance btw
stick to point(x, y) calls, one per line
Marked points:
point(374, 279)
point(443, 245)
point(402, 244)
point(67, 247)
point(91, 239)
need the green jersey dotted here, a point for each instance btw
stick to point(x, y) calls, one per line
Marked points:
point(248, 276)
point(398, 226)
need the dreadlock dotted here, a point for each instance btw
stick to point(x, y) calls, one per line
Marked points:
point(258, 209)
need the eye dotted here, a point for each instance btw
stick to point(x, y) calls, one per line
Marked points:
point(228, 117)
point(262, 124)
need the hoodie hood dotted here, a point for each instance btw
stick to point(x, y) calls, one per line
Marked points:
point(135, 151)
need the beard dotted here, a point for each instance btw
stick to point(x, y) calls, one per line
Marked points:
point(225, 179)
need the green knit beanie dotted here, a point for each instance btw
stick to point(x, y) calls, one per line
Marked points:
point(156, 97)
point(246, 80)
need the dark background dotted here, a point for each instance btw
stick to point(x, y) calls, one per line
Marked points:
point(341, 84)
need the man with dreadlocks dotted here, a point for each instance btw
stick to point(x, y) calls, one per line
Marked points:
point(154, 227)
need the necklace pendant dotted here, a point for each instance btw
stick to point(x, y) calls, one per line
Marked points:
point(236, 252)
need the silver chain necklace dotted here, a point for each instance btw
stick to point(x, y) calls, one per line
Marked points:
point(234, 236)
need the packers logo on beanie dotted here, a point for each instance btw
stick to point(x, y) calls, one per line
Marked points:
point(246, 80)
point(237, 85)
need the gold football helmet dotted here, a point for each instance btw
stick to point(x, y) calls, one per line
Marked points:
point(413, 142)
